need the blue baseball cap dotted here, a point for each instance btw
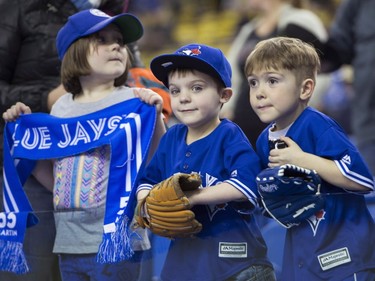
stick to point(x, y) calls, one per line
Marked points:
point(200, 57)
point(90, 21)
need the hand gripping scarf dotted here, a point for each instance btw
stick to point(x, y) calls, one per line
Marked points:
point(127, 127)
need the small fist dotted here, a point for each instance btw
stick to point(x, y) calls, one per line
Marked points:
point(12, 113)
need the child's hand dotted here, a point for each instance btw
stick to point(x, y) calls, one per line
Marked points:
point(150, 97)
point(292, 154)
point(12, 113)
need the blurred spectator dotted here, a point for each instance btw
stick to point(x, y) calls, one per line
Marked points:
point(272, 18)
point(159, 18)
point(352, 42)
point(336, 100)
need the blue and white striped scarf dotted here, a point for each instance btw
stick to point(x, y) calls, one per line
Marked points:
point(127, 127)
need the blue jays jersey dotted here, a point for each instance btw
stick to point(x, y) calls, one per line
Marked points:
point(339, 240)
point(230, 241)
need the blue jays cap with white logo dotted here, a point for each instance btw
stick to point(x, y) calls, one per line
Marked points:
point(200, 57)
point(90, 21)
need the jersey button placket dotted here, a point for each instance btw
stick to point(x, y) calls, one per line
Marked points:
point(187, 155)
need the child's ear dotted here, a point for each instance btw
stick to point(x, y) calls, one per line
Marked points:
point(307, 89)
point(225, 95)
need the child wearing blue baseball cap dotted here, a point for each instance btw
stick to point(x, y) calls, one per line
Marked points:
point(230, 245)
point(95, 61)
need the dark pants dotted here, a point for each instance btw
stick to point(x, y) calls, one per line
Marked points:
point(254, 273)
point(39, 239)
point(85, 268)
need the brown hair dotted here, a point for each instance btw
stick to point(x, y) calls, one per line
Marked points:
point(181, 72)
point(184, 71)
point(75, 65)
point(284, 53)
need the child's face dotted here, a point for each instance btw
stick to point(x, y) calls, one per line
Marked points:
point(195, 99)
point(275, 96)
point(108, 55)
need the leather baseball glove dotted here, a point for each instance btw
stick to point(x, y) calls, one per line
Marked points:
point(290, 194)
point(166, 209)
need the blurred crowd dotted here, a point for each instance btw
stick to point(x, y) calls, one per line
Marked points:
point(172, 23)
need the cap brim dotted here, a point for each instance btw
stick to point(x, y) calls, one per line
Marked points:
point(162, 65)
point(129, 25)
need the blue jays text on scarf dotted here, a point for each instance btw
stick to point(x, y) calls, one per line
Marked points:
point(74, 134)
point(128, 128)
point(41, 138)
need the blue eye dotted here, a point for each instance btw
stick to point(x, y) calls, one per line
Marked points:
point(197, 88)
point(173, 91)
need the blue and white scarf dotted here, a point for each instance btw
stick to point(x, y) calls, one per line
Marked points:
point(127, 127)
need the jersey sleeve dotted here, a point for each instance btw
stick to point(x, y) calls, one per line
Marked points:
point(319, 134)
point(335, 145)
point(242, 162)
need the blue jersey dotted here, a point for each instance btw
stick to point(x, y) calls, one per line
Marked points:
point(230, 241)
point(339, 240)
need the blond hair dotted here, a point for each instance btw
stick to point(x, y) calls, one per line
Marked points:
point(284, 53)
point(75, 65)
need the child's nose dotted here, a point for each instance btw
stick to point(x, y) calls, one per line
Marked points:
point(184, 96)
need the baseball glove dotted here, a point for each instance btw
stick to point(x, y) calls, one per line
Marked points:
point(290, 194)
point(166, 209)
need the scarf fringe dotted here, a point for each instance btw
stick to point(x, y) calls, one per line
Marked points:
point(12, 257)
point(116, 246)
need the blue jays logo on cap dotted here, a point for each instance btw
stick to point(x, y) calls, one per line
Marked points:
point(192, 52)
point(90, 21)
point(194, 56)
